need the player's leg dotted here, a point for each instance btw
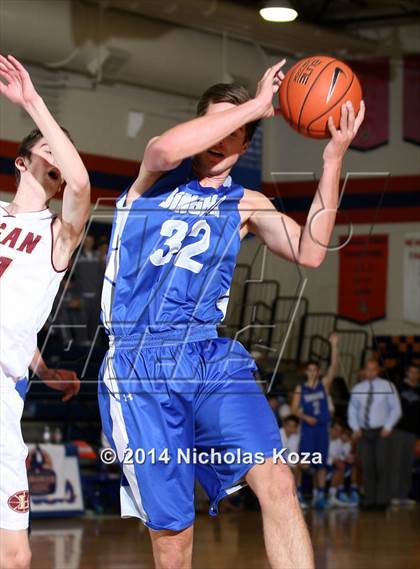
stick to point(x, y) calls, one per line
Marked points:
point(234, 418)
point(306, 448)
point(172, 549)
point(145, 408)
point(15, 552)
point(354, 497)
point(321, 444)
point(285, 533)
point(300, 469)
point(367, 458)
point(14, 498)
point(409, 446)
point(382, 460)
point(337, 485)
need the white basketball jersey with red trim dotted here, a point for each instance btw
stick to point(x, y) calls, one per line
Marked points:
point(28, 285)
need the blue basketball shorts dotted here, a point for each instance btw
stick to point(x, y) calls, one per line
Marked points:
point(315, 439)
point(181, 412)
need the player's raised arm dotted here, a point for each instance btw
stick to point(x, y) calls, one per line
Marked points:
point(308, 245)
point(332, 369)
point(166, 152)
point(64, 156)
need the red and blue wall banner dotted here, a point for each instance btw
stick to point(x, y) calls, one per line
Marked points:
point(412, 277)
point(363, 264)
point(390, 199)
point(374, 76)
point(374, 199)
point(411, 99)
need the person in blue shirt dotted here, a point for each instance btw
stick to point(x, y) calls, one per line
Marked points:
point(177, 401)
point(374, 410)
point(310, 404)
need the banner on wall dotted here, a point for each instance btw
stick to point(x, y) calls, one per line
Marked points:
point(412, 277)
point(411, 99)
point(374, 76)
point(54, 480)
point(363, 278)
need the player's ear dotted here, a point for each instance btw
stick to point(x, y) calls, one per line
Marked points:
point(20, 164)
point(245, 146)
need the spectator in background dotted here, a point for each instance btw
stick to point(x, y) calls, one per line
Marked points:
point(373, 411)
point(103, 245)
point(290, 433)
point(403, 440)
point(290, 437)
point(285, 408)
point(336, 467)
point(259, 361)
point(352, 465)
point(72, 315)
point(89, 273)
point(340, 395)
point(274, 404)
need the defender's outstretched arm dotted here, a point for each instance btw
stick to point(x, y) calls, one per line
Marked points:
point(64, 156)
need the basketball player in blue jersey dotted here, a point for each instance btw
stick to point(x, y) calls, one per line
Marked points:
point(310, 404)
point(177, 402)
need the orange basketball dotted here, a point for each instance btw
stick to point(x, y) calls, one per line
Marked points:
point(314, 89)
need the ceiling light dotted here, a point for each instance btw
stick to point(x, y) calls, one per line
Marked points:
point(278, 11)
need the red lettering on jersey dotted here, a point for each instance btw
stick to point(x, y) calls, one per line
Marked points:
point(4, 263)
point(12, 237)
point(2, 226)
point(30, 242)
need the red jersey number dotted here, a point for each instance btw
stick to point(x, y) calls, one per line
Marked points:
point(4, 263)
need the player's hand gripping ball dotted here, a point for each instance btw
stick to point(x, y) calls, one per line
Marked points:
point(314, 89)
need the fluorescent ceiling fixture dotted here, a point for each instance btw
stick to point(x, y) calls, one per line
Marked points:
point(278, 11)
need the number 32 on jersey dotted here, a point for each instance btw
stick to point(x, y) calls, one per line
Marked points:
point(176, 231)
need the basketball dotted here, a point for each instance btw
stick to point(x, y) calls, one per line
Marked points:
point(313, 90)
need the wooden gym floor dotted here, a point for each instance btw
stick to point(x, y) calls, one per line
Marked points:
point(343, 539)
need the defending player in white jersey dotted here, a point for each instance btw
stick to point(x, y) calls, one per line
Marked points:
point(35, 250)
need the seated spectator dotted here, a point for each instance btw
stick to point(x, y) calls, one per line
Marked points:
point(403, 440)
point(285, 408)
point(71, 316)
point(89, 272)
point(103, 246)
point(290, 433)
point(336, 467)
point(351, 470)
point(274, 404)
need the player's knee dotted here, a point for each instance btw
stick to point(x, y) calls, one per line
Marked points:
point(171, 557)
point(16, 559)
point(23, 559)
point(278, 487)
point(172, 553)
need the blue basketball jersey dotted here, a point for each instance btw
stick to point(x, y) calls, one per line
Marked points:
point(172, 256)
point(314, 402)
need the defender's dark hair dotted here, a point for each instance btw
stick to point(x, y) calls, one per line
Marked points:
point(313, 363)
point(290, 418)
point(338, 421)
point(227, 93)
point(27, 144)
